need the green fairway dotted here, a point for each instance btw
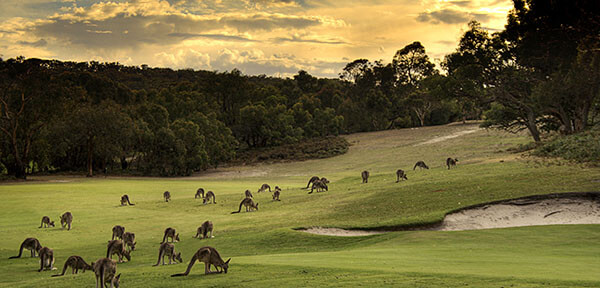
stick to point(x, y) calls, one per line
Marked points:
point(266, 251)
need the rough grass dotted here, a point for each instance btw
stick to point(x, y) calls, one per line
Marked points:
point(583, 147)
point(265, 251)
point(314, 148)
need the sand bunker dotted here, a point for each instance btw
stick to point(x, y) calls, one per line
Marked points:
point(447, 137)
point(567, 208)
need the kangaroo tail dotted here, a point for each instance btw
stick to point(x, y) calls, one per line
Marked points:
point(160, 254)
point(240, 209)
point(415, 167)
point(308, 184)
point(108, 252)
point(42, 224)
point(164, 238)
point(42, 262)
point(101, 276)
point(189, 268)
point(20, 252)
point(63, 271)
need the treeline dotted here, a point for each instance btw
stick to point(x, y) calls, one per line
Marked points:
point(540, 73)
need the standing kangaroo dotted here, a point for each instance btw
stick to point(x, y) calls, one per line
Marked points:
point(46, 222)
point(105, 270)
point(125, 200)
point(249, 203)
point(46, 259)
point(31, 244)
point(117, 247)
point(199, 193)
point(312, 180)
point(66, 219)
point(365, 176)
point(451, 162)
point(421, 165)
point(118, 231)
point(209, 256)
point(276, 195)
point(170, 232)
point(248, 194)
point(167, 196)
point(129, 239)
point(264, 188)
point(203, 230)
point(400, 174)
point(76, 263)
point(168, 249)
point(210, 195)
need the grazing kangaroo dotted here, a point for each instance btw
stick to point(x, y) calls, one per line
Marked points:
point(66, 219)
point(209, 256)
point(319, 185)
point(312, 180)
point(129, 239)
point(168, 249)
point(203, 230)
point(118, 231)
point(31, 244)
point(276, 195)
point(210, 196)
point(170, 232)
point(117, 247)
point(167, 196)
point(125, 200)
point(264, 188)
point(199, 193)
point(76, 263)
point(46, 222)
point(249, 203)
point(421, 165)
point(365, 176)
point(46, 259)
point(451, 162)
point(105, 270)
point(400, 174)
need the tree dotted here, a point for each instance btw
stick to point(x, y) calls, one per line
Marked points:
point(412, 64)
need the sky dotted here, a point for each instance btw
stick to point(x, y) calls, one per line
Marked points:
point(271, 37)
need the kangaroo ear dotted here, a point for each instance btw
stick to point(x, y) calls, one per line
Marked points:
point(227, 262)
point(134, 243)
point(118, 276)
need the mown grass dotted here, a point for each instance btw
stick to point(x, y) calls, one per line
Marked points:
point(265, 250)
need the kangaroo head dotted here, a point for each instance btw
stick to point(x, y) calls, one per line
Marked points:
point(405, 178)
point(133, 246)
point(256, 206)
point(51, 223)
point(178, 257)
point(127, 255)
point(116, 281)
point(455, 159)
point(177, 237)
point(225, 265)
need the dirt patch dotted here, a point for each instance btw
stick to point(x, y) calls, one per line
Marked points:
point(552, 209)
point(447, 137)
point(339, 232)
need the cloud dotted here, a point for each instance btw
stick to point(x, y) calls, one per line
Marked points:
point(300, 39)
point(183, 59)
point(39, 43)
point(451, 16)
point(221, 37)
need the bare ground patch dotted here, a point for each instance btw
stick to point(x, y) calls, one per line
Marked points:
point(447, 137)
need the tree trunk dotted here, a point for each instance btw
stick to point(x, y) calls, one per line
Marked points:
point(531, 125)
point(90, 155)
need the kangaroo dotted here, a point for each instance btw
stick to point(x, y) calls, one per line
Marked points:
point(312, 180)
point(365, 176)
point(76, 263)
point(129, 239)
point(170, 232)
point(210, 196)
point(276, 195)
point(167, 196)
point(248, 194)
point(46, 259)
point(199, 193)
point(118, 231)
point(66, 219)
point(249, 203)
point(117, 247)
point(400, 174)
point(277, 188)
point(105, 270)
point(168, 249)
point(421, 165)
point(209, 256)
point(203, 230)
point(46, 222)
point(451, 162)
point(319, 185)
point(31, 244)
point(125, 200)
point(264, 188)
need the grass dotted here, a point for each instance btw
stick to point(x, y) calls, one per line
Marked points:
point(266, 251)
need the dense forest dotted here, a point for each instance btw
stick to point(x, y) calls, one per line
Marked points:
point(541, 73)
